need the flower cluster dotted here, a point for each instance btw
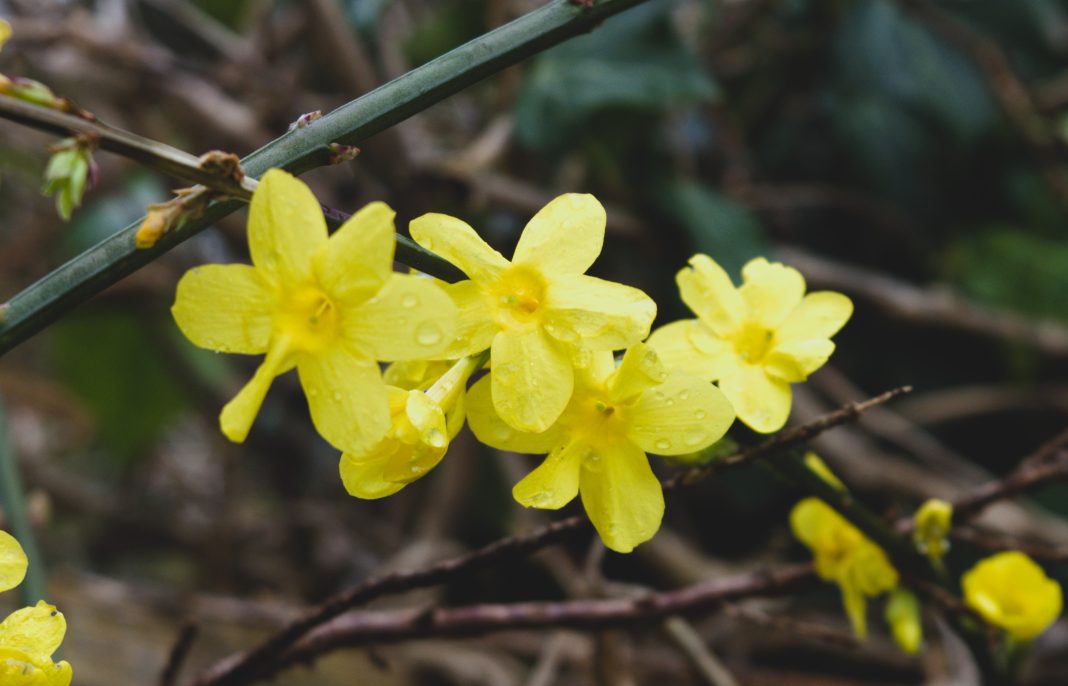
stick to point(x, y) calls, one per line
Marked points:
point(333, 308)
point(29, 636)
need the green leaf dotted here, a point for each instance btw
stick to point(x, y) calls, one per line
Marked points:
point(882, 50)
point(635, 60)
point(716, 225)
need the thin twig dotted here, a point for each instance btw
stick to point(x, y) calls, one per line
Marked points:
point(179, 652)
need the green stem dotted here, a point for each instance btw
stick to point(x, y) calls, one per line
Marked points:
point(33, 588)
point(305, 148)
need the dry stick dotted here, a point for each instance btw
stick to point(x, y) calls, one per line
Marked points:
point(179, 652)
point(474, 620)
point(241, 667)
point(153, 154)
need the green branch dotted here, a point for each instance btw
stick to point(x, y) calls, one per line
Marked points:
point(305, 148)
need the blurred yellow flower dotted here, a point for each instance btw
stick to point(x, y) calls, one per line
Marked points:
point(597, 448)
point(933, 521)
point(5, 32)
point(903, 616)
point(845, 556)
point(540, 314)
point(1010, 591)
point(13, 562)
point(422, 424)
point(754, 340)
point(329, 306)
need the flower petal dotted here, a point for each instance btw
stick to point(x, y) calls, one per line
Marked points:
point(364, 476)
point(285, 227)
point(639, 370)
point(428, 423)
point(565, 236)
point(762, 402)
point(358, 259)
point(227, 308)
point(410, 318)
point(622, 496)
point(346, 397)
point(793, 362)
point(457, 242)
point(237, 416)
point(819, 315)
point(37, 630)
point(475, 325)
point(682, 415)
point(771, 291)
point(13, 562)
point(675, 344)
point(555, 482)
point(708, 292)
point(532, 378)
point(490, 429)
point(598, 314)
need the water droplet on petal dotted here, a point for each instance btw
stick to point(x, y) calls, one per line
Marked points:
point(700, 414)
point(662, 444)
point(435, 439)
point(428, 334)
point(337, 396)
point(695, 438)
point(409, 300)
point(684, 395)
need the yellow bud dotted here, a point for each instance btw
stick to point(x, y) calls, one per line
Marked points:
point(903, 616)
point(816, 464)
point(152, 228)
point(933, 522)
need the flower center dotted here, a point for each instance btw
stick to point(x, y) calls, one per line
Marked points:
point(752, 341)
point(308, 318)
point(519, 297)
point(594, 416)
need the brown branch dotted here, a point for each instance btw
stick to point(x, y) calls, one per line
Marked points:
point(382, 627)
point(1027, 476)
point(247, 666)
point(996, 542)
point(179, 652)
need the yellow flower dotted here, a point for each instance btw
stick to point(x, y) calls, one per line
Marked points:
point(13, 562)
point(845, 556)
point(933, 521)
point(540, 314)
point(754, 340)
point(597, 448)
point(903, 616)
point(5, 32)
point(28, 637)
point(1010, 591)
point(330, 307)
point(422, 424)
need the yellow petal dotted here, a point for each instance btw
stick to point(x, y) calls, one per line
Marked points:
point(428, 423)
point(621, 495)
point(903, 616)
point(36, 630)
point(564, 237)
point(354, 263)
point(793, 362)
point(856, 608)
point(364, 476)
point(761, 402)
point(555, 482)
point(682, 415)
point(819, 315)
point(19, 668)
point(639, 370)
point(475, 326)
point(410, 318)
point(13, 562)
point(490, 429)
point(675, 344)
point(346, 397)
point(808, 520)
point(237, 416)
point(598, 314)
point(285, 227)
point(771, 291)
point(5, 32)
point(227, 308)
point(532, 378)
point(708, 292)
point(458, 243)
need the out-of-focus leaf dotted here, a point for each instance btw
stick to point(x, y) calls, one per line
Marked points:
point(1009, 268)
point(108, 359)
point(715, 224)
point(882, 50)
point(452, 24)
point(634, 60)
point(364, 14)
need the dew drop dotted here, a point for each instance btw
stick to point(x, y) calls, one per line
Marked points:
point(428, 334)
point(662, 444)
point(435, 439)
point(337, 396)
point(684, 395)
point(542, 499)
point(409, 301)
point(700, 414)
point(694, 438)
